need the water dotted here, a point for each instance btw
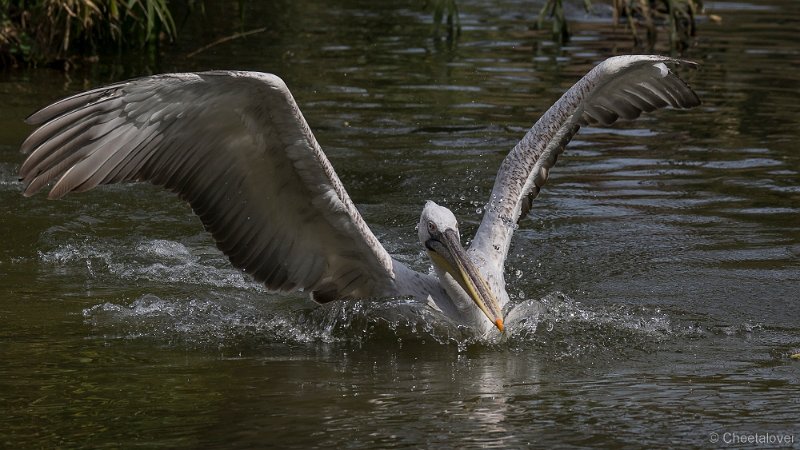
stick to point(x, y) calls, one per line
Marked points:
point(655, 285)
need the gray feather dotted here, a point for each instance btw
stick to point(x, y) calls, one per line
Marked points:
point(623, 86)
point(236, 147)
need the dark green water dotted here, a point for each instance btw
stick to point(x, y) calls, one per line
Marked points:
point(665, 253)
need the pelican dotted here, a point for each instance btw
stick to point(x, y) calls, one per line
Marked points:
point(236, 147)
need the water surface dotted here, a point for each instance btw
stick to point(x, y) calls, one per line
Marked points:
point(654, 285)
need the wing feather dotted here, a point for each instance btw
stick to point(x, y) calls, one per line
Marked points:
point(236, 147)
point(620, 87)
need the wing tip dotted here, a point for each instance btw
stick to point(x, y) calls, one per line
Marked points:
point(26, 189)
point(694, 65)
point(37, 118)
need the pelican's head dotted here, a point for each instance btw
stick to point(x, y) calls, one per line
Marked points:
point(438, 232)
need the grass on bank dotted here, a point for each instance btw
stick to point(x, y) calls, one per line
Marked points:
point(46, 32)
point(60, 32)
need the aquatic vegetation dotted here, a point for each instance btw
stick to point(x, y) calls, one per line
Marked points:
point(57, 31)
point(555, 10)
point(639, 16)
point(442, 9)
point(678, 16)
point(63, 32)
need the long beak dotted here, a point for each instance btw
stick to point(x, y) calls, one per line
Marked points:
point(449, 253)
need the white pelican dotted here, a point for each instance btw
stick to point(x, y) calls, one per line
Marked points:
point(236, 147)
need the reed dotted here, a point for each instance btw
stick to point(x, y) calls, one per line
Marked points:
point(38, 32)
point(442, 9)
point(677, 16)
point(643, 18)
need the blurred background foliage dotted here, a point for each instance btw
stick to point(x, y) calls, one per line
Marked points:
point(55, 32)
point(643, 18)
point(63, 33)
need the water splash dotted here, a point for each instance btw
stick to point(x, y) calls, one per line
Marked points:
point(226, 321)
point(556, 324)
point(200, 322)
point(234, 311)
point(157, 260)
point(70, 253)
point(565, 328)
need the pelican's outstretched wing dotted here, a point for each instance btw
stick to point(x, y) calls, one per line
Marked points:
point(236, 147)
point(623, 86)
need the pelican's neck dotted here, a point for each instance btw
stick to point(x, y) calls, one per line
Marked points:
point(441, 292)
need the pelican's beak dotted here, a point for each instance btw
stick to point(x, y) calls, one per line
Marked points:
point(450, 255)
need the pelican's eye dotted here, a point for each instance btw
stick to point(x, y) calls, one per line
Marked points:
point(431, 227)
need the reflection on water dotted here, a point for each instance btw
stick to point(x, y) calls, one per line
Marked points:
point(653, 288)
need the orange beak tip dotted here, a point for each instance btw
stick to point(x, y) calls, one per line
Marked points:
point(499, 324)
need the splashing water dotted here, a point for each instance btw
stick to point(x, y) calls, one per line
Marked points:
point(156, 260)
point(235, 310)
point(555, 322)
